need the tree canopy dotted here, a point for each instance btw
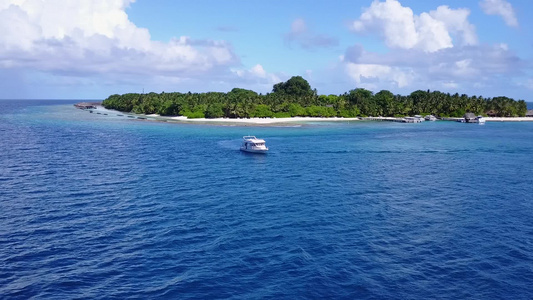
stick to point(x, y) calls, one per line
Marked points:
point(295, 97)
point(297, 86)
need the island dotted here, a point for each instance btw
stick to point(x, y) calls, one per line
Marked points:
point(296, 98)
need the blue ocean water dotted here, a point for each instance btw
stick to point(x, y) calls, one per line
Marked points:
point(106, 207)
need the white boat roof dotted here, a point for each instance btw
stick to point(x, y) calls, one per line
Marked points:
point(253, 139)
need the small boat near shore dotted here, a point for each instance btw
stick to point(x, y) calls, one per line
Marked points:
point(411, 120)
point(253, 145)
point(419, 118)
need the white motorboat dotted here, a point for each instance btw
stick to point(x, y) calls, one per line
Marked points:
point(420, 118)
point(252, 144)
point(430, 118)
point(411, 120)
point(480, 120)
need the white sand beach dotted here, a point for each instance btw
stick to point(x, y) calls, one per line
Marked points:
point(261, 120)
point(509, 119)
point(317, 119)
point(269, 121)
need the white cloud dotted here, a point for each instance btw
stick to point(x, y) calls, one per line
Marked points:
point(464, 68)
point(257, 74)
point(437, 49)
point(452, 68)
point(401, 28)
point(258, 71)
point(307, 39)
point(456, 22)
point(95, 36)
point(450, 85)
point(500, 8)
point(432, 34)
point(362, 72)
point(371, 71)
point(392, 20)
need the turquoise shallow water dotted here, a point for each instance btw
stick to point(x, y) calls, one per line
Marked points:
point(96, 206)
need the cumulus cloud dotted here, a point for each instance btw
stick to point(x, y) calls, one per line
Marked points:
point(95, 36)
point(429, 32)
point(500, 8)
point(360, 72)
point(307, 39)
point(456, 23)
point(437, 49)
point(257, 74)
point(484, 65)
point(364, 67)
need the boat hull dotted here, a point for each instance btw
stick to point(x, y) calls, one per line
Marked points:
point(263, 151)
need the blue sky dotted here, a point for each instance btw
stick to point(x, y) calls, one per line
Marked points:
point(90, 49)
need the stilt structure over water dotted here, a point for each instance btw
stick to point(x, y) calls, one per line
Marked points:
point(87, 105)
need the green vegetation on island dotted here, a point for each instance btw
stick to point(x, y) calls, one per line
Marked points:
point(295, 98)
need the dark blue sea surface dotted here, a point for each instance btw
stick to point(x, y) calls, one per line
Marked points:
point(107, 207)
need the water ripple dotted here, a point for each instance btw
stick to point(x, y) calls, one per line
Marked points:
point(113, 209)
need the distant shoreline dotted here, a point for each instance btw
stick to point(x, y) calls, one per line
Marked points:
point(273, 121)
point(315, 119)
point(259, 121)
